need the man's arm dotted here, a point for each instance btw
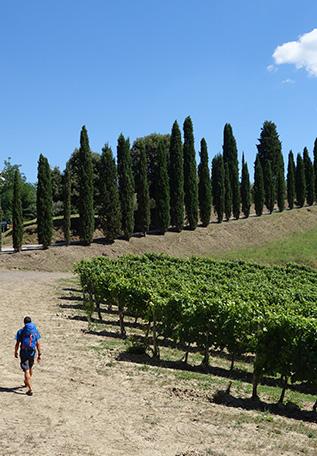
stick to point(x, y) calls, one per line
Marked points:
point(39, 351)
point(16, 348)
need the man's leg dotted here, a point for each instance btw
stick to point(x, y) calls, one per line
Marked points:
point(31, 373)
point(27, 380)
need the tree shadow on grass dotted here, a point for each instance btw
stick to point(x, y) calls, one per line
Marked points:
point(235, 374)
point(116, 323)
point(288, 410)
point(71, 298)
point(104, 333)
point(73, 290)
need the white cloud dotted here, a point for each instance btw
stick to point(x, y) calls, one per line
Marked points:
point(301, 53)
point(288, 81)
point(271, 68)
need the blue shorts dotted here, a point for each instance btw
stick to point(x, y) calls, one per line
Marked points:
point(26, 363)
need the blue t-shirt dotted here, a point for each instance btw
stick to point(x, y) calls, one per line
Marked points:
point(32, 335)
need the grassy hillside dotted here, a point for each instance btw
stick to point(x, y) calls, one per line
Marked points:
point(299, 248)
point(276, 238)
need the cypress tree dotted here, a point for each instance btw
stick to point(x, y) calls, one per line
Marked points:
point(258, 187)
point(110, 214)
point(315, 167)
point(86, 190)
point(162, 197)
point(309, 178)
point(280, 184)
point(1, 215)
point(268, 186)
point(230, 156)
point(228, 195)
point(204, 185)
point(126, 186)
point(67, 192)
point(151, 144)
point(270, 147)
point(218, 186)
point(300, 184)
point(190, 175)
point(17, 218)
point(44, 203)
point(245, 189)
point(176, 178)
point(142, 214)
point(291, 180)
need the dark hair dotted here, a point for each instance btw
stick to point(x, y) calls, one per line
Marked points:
point(27, 320)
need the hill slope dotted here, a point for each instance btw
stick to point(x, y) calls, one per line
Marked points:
point(234, 238)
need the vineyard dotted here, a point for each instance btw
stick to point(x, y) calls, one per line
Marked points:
point(238, 307)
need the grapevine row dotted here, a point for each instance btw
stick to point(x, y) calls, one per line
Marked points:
point(237, 306)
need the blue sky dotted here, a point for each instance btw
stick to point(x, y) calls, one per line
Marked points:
point(136, 66)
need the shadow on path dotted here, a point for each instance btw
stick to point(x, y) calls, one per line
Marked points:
point(14, 390)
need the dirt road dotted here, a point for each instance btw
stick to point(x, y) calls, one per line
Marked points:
point(88, 404)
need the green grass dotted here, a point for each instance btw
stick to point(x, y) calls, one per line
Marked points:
point(109, 344)
point(298, 248)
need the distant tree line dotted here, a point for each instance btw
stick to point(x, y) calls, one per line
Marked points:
point(156, 185)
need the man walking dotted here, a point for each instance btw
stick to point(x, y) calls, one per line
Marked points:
point(27, 338)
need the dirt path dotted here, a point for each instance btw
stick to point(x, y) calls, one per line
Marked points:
point(86, 404)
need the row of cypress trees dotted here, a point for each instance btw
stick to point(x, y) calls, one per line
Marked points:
point(269, 181)
point(179, 189)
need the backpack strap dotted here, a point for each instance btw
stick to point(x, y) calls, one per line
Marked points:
point(21, 335)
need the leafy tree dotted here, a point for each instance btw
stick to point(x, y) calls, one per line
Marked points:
point(86, 190)
point(300, 183)
point(228, 195)
point(245, 189)
point(230, 156)
point(280, 184)
point(309, 178)
point(204, 185)
point(57, 184)
point(110, 211)
point(291, 180)
point(67, 191)
point(28, 192)
point(190, 175)
point(268, 186)
point(176, 178)
point(126, 186)
point(258, 187)
point(17, 217)
point(163, 196)
point(28, 199)
point(218, 186)
point(44, 203)
point(142, 214)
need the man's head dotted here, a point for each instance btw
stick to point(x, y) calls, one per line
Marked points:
point(27, 320)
